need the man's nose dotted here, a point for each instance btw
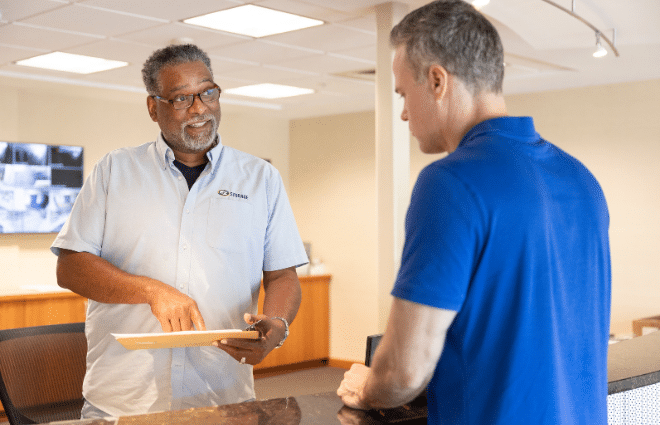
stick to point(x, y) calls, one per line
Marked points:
point(198, 106)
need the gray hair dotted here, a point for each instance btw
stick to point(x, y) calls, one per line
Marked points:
point(168, 56)
point(453, 34)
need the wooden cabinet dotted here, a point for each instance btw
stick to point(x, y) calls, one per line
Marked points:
point(309, 337)
point(309, 334)
point(21, 311)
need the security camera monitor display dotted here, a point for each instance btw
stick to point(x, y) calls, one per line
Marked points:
point(38, 184)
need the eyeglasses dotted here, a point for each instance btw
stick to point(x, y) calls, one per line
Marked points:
point(185, 101)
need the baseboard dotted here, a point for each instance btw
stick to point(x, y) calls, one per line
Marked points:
point(278, 370)
point(342, 364)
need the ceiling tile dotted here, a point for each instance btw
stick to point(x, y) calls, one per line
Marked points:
point(90, 21)
point(323, 12)
point(169, 10)
point(324, 64)
point(114, 49)
point(128, 76)
point(261, 74)
point(40, 38)
point(163, 35)
point(349, 6)
point(261, 51)
point(223, 65)
point(365, 23)
point(367, 53)
point(329, 38)
point(14, 10)
point(9, 54)
point(333, 85)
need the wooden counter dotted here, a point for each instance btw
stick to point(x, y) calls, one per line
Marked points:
point(309, 338)
point(21, 311)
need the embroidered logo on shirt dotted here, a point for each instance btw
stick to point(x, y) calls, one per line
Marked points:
point(223, 192)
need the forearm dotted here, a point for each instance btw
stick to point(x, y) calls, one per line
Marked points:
point(405, 359)
point(282, 294)
point(95, 278)
point(389, 385)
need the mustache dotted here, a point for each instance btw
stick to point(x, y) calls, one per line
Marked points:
point(200, 118)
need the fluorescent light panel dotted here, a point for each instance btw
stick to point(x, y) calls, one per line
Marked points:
point(268, 91)
point(68, 62)
point(253, 21)
point(478, 4)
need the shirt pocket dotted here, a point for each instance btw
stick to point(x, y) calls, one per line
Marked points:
point(229, 223)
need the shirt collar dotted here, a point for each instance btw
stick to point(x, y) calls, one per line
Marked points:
point(166, 154)
point(521, 128)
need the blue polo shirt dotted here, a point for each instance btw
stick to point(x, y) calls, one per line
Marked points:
point(512, 233)
point(211, 242)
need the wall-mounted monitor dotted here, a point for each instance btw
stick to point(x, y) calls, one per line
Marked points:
point(38, 185)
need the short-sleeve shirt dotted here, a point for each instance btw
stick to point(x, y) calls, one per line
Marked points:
point(512, 233)
point(210, 242)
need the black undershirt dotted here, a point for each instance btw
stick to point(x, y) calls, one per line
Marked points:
point(190, 173)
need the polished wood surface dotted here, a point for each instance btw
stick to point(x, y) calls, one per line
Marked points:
point(309, 334)
point(314, 409)
point(21, 311)
point(647, 322)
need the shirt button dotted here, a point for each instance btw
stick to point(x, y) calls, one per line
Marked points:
point(187, 211)
point(180, 178)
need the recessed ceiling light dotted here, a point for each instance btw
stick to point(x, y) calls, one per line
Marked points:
point(69, 62)
point(254, 21)
point(478, 4)
point(268, 91)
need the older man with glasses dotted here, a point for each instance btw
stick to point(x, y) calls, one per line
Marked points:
point(174, 235)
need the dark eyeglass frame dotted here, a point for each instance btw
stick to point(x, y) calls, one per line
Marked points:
point(189, 99)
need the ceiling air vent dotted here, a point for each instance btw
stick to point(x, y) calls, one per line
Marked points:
point(362, 74)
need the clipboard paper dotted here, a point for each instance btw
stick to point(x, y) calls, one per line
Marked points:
point(180, 339)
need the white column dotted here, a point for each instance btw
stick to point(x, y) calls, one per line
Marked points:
point(392, 161)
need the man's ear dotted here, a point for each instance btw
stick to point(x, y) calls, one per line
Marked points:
point(151, 106)
point(438, 79)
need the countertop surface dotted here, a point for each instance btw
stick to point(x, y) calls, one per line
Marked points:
point(325, 408)
point(633, 363)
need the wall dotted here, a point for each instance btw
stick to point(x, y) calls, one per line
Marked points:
point(100, 121)
point(332, 175)
point(613, 129)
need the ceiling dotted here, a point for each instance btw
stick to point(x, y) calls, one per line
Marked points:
point(545, 48)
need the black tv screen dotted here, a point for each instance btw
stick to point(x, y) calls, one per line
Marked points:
point(38, 185)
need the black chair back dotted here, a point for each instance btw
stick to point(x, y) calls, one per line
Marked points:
point(41, 372)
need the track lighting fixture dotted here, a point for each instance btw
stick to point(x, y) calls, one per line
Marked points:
point(600, 50)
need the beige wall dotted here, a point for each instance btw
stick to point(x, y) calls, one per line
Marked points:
point(614, 130)
point(332, 168)
point(100, 121)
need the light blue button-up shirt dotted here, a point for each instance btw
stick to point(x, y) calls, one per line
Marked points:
point(210, 242)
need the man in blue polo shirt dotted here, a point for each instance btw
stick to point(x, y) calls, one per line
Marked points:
point(174, 235)
point(502, 302)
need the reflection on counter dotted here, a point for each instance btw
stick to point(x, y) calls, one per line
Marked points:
point(326, 409)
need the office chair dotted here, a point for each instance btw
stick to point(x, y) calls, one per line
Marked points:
point(41, 372)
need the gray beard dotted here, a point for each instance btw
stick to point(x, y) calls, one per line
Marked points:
point(191, 144)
